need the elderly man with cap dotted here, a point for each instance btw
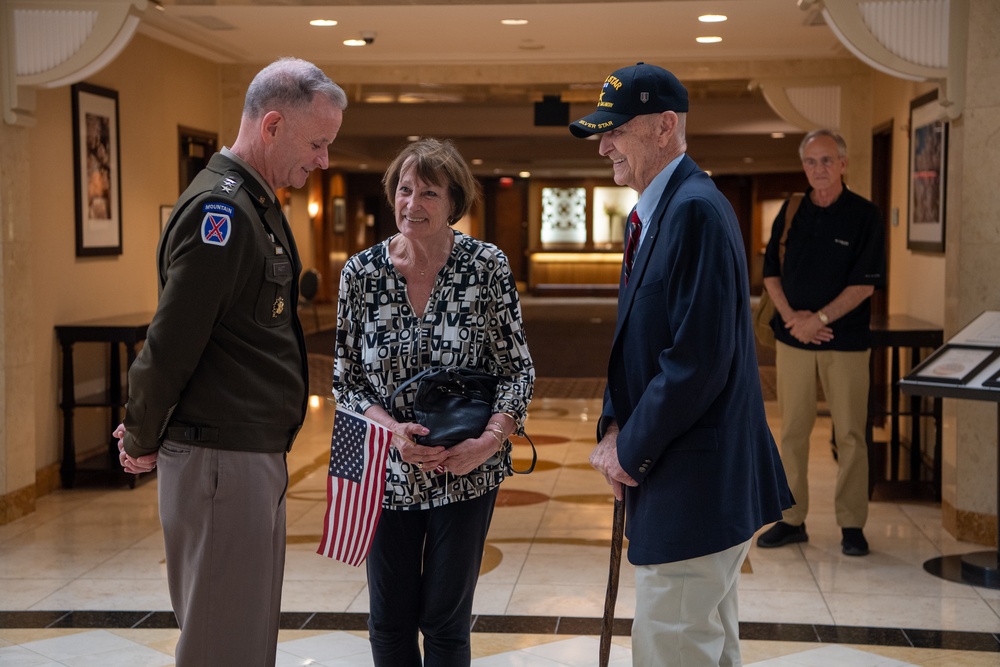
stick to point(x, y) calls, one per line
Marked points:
point(682, 436)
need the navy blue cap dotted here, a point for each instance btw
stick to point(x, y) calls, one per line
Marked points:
point(629, 92)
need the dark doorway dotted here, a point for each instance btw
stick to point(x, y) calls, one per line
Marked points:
point(195, 148)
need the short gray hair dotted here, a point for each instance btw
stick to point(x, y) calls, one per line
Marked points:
point(290, 83)
point(823, 132)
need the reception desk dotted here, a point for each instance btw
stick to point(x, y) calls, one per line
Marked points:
point(127, 330)
point(574, 273)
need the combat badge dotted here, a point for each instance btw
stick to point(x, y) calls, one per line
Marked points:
point(278, 308)
point(217, 224)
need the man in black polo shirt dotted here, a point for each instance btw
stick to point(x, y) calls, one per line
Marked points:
point(834, 260)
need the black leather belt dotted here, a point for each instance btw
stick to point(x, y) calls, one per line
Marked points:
point(193, 433)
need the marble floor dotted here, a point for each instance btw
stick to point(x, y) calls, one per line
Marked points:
point(82, 579)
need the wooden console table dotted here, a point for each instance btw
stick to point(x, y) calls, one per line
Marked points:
point(895, 333)
point(115, 331)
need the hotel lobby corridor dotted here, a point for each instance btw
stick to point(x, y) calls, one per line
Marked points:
point(82, 579)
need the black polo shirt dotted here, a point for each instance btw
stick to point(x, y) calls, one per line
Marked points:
point(828, 249)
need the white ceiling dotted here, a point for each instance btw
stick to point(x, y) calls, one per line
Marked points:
point(453, 70)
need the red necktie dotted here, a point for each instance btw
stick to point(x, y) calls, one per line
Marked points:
point(632, 242)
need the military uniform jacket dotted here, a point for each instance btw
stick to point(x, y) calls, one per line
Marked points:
point(224, 362)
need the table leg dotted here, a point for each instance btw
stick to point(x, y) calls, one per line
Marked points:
point(894, 416)
point(916, 408)
point(67, 470)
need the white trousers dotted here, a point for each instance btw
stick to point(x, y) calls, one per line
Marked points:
point(687, 612)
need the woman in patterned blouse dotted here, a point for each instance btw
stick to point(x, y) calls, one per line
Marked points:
point(430, 296)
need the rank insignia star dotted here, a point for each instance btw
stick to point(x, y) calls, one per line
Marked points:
point(228, 185)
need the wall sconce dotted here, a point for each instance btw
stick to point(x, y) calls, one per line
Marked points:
point(313, 209)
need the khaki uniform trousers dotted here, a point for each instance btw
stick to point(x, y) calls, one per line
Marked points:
point(223, 516)
point(845, 379)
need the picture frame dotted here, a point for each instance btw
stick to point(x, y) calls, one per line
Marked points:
point(97, 170)
point(165, 211)
point(339, 215)
point(927, 175)
point(993, 380)
point(954, 364)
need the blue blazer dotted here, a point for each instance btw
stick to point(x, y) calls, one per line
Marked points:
point(684, 387)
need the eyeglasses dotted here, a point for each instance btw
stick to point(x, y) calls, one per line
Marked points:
point(826, 161)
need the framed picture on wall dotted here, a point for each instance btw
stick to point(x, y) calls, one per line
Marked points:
point(165, 211)
point(97, 171)
point(928, 172)
point(339, 215)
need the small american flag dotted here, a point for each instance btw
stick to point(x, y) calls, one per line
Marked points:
point(354, 489)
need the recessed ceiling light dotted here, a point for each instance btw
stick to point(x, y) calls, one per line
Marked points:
point(413, 137)
point(322, 22)
point(708, 40)
point(514, 21)
point(777, 135)
point(524, 174)
point(354, 42)
point(379, 98)
point(476, 161)
point(712, 18)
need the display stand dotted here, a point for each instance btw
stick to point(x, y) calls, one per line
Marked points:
point(966, 367)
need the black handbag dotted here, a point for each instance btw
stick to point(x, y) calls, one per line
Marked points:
point(454, 403)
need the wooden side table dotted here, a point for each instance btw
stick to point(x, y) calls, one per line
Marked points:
point(128, 330)
point(895, 333)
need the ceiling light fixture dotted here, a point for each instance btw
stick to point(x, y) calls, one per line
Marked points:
point(713, 39)
point(713, 18)
point(514, 21)
point(367, 37)
point(777, 135)
point(322, 23)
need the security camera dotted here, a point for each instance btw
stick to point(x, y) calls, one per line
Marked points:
point(368, 36)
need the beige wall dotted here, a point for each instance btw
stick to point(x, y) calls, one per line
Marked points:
point(916, 278)
point(158, 88)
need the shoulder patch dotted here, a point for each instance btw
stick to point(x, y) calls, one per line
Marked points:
point(217, 225)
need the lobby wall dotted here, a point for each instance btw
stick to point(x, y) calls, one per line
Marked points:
point(158, 89)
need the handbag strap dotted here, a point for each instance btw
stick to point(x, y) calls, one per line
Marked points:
point(534, 458)
point(400, 389)
point(790, 211)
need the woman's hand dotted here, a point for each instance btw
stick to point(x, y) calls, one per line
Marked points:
point(466, 456)
point(424, 458)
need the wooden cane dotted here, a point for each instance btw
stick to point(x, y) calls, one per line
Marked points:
point(607, 627)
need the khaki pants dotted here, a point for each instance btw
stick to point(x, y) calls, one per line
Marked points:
point(687, 612)
point(223, 516)
point(845, 379)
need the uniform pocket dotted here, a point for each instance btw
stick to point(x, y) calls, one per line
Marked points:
point(274, 303)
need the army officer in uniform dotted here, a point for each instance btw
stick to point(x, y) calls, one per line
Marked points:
point(219, 390)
